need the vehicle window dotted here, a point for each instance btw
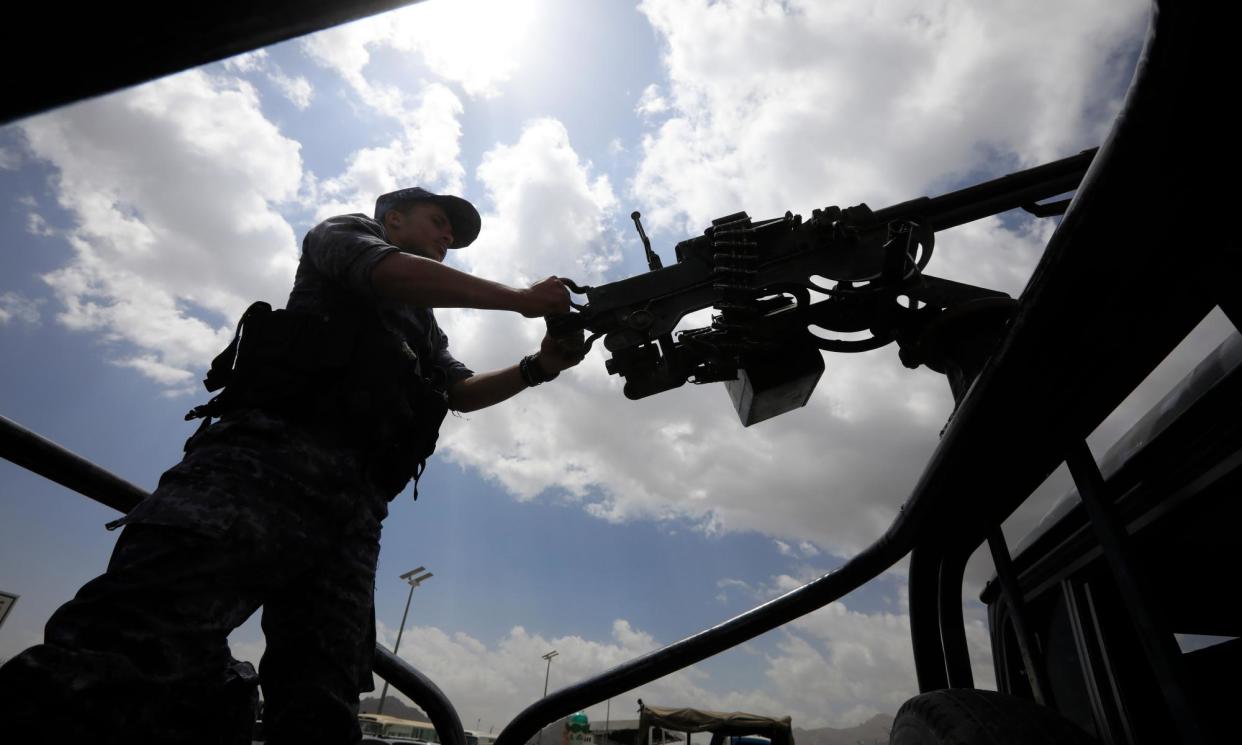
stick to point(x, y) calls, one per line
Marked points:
point(1187, 554)
point(1063, 666)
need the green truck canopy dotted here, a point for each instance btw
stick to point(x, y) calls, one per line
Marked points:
point(720, 723)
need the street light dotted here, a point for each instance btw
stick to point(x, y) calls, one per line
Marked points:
point(414, 581)
point(548, 672)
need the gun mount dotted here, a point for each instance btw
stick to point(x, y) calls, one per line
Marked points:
point(782, 287)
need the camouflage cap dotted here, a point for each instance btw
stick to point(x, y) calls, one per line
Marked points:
point(461, 214)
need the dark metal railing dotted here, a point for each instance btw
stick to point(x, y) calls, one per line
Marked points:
point(53, 462)
point(426, 694)
point(44, 457)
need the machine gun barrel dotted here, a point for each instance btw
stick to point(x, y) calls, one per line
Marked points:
point(760, 275)
point(1020, 189)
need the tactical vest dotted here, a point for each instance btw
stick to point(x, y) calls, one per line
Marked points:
point(349, 377)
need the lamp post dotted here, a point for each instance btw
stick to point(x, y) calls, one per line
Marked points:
point(548, 672)
point(415, 578)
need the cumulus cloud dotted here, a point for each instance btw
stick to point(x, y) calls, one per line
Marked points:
point(845, 102)
point(36, 225)
point(426, 152)
point(150, 366)
point(551, 211)
point(652, 101)
point(804, 549)
point(836, 667)
point(296, 88)
point(17, 308)
point(831, 473)
point(172, 188)
point(857, 664)
point(426, 148)
point(468, 43)
point(550, 216)
point(248, 62)
point(175, 187)
point(10, 160)
point(728, 584)
point(850, 664)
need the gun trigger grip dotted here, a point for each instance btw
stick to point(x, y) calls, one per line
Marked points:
point(574, 287)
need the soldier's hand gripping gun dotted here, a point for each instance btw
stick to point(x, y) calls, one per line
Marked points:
point(781, 287)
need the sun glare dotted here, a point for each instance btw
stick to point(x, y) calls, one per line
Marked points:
point(478, 43)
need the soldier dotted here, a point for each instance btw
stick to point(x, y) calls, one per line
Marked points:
point(329, 408)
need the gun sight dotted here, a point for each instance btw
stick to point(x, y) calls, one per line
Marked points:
point(653, 260)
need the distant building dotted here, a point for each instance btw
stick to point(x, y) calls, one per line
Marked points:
point(382, 725)
point(625, 732)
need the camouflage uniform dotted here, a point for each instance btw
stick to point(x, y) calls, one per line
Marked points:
point(260, 512)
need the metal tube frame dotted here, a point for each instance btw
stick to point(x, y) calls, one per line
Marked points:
point(952, 626)
point(1017, 612)
point(923, 591)
point(44, 457)
point(1154, 635)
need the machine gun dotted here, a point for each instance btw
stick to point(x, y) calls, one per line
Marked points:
point(774, 282)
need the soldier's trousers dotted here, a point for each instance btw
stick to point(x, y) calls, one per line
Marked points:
point(140, 655)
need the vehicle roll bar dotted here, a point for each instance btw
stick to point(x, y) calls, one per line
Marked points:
point(44, 457)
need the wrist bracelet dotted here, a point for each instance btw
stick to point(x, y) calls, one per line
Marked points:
point(532, 371)
point(524, 371)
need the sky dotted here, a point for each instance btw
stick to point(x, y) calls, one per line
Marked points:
point(137, 226)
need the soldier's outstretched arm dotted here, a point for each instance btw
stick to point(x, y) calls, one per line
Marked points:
point(489, 388)
point(405, 278)
point(486, 389)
